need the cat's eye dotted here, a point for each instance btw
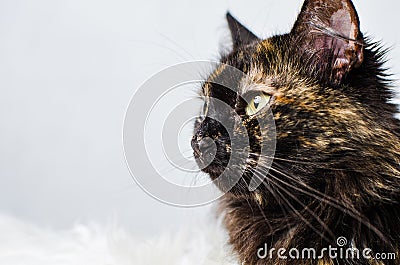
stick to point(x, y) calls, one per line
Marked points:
point(257, 103)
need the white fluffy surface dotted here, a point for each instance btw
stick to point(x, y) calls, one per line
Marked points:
point(24, 244)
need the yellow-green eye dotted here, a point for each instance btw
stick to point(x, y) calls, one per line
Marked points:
point(257, 103)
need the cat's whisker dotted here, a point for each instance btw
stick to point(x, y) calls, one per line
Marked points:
point(190, 56)
point(344, 208)
point(298, 213)
point(275, 195)
point(147, 42)
point(170, 168)
point(306, 208)
point(320, 165)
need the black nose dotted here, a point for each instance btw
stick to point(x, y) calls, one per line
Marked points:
point(201, 145)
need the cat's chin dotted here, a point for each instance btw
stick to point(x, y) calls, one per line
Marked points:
point(240, 189)
point(214, 171)
point(223, 178)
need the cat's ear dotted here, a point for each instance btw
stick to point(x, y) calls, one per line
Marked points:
point(240, 34)
point(329, 32)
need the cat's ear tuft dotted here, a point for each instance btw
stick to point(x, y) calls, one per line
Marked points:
point(329, 32)
point(240, 34)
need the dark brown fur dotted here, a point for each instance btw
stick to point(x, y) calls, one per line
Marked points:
point(336, 170)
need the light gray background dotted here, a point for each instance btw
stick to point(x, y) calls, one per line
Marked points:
point(67, 72)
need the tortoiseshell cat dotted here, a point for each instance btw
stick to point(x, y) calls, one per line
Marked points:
point(336, 170)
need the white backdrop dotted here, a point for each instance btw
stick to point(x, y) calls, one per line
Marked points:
point(67, 72)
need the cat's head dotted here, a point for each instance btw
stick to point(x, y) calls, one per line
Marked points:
point(322, 84)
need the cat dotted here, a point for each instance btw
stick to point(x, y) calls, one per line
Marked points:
point(336, 169)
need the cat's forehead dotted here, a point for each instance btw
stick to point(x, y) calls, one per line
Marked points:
point(243, 70)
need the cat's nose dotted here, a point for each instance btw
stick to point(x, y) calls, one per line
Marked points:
point(201, 145)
